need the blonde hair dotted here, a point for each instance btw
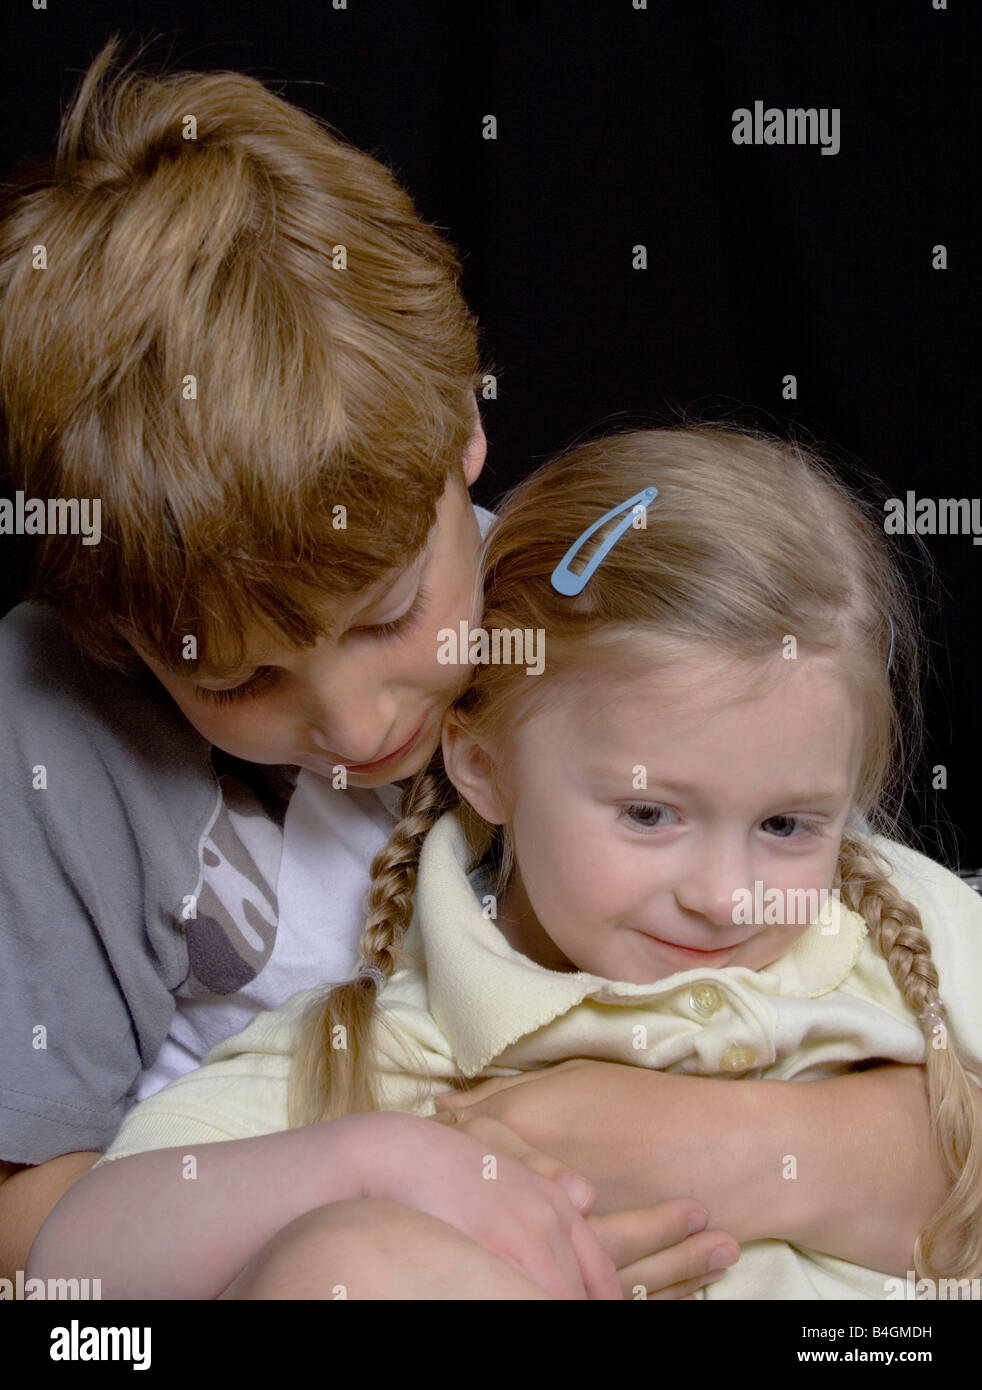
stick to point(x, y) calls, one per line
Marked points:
point(319, 384)
point(749, 540)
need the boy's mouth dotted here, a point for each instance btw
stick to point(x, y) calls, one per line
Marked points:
point(329, 760)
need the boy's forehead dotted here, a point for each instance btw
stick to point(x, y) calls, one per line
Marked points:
point(263, 646)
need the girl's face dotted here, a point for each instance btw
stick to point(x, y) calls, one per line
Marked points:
point(750, 776)
point(373, 692)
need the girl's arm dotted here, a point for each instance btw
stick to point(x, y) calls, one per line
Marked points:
point(183, 1222)
point(864, 1180)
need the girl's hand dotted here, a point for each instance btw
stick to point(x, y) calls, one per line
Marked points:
point(664, 1249)
point(500, 1202)
point(504, 1140)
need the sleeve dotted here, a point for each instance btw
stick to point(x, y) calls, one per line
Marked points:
point(87, 960)
point(240, 1090)
point(236, 1097)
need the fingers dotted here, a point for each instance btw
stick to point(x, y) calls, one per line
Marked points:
point(684, 1291)
point(683, 1268)
point(600, 1275)
point(660, 1249)
point(460, 1100)
point(584, 1267)
point(546, 1255)
point(631, 1235)
point(503, 1140)
point(577, 1189)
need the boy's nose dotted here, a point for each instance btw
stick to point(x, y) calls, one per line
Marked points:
point(350, 741)
point(358, 728)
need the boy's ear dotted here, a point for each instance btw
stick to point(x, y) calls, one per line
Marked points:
point(468, 766)
point(477, 449)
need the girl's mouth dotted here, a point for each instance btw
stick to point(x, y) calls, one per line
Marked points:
point(694, 951)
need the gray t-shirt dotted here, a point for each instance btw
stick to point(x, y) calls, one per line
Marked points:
point(105, 793)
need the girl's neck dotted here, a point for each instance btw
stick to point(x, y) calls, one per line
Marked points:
point(520, 927)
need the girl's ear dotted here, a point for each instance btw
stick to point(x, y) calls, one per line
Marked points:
point(469, 768)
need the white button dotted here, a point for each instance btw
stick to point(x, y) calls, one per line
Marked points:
point(706, 1000)
point(736, 1059)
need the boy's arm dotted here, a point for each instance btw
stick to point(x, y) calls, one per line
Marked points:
point(868, 1176)
point(102, 797)
point(27, 1195)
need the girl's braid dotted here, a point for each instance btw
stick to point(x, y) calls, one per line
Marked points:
point(954, 1234)
point(332, 1073)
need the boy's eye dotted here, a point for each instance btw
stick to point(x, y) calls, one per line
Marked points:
point(398, 625)
point(255, 685)
point(265, 675)
point(647, 815)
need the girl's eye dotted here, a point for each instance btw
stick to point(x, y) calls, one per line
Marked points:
point(408, 620)
point(647, 815)
point(784, 827)
point(255, 685)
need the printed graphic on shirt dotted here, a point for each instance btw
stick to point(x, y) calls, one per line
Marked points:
point(233, 933)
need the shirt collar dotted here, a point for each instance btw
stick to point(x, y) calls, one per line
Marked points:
point(485, 995)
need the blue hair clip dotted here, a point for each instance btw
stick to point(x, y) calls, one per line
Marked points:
point(564, 581)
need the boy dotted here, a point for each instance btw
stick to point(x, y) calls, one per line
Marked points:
point(233, 332)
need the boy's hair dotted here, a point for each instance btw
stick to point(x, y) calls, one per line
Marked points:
point(333, 359)
point(750, 540)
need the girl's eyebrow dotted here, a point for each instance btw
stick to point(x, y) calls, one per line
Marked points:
point(816, 796)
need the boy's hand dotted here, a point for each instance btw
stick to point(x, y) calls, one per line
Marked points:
point(642, 1137)
point(664, 1249)
point(664, 1252)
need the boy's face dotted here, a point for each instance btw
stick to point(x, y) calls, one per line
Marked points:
point(748, 777)
point(373, 695)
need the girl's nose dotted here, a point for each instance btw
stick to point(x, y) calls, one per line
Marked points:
point(711, 884)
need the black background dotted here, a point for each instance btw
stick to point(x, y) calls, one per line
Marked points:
point(614, 129)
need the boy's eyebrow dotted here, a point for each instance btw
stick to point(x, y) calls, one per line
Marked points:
point(222, 671)
point(210, 671)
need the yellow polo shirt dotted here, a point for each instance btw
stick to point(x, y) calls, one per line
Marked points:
point(468, 1004)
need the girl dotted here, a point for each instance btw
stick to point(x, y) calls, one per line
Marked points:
point(637, 855)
